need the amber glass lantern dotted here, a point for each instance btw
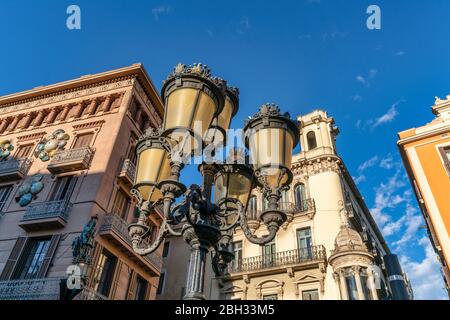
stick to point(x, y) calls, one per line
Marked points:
point(153, 165)
point(192, 99)
point(270, 137)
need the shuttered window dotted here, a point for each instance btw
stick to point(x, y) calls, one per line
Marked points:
point(105, 269)
point(13, 258)
point(36, 258)
point(63, 188)
point(83, 140)
point(141, 289)
point(121, 204)
point(5, 191)
point(24, 151)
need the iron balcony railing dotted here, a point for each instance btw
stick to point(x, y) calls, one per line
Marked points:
point(30, 289)
point(114, 223)
point(49, 209)
point(128, 169)
point(71, 159)
point(14, 167)
point(287, 207)
point(279, 259)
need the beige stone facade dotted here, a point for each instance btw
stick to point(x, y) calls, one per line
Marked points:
point(329, 248)
point(86, 129)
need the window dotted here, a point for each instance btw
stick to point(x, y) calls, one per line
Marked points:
point(166, 249)
point(161, 283)
point(269, 252)
point(63, 188)
point(284, 201)
point(237, 251)
point(311, 139)
point(304, 242)
point(270, 297)
point(5, 191)
point(252, 209)
point(24, 151)
point(445, 154)
point(365, 284)
point(265, 203)
point(121, 204)
point(32, 258)
point(104, 273)
point(83, 140)
point(141, 289)
point(300, 196)
point(351, 285)
point(310, 295)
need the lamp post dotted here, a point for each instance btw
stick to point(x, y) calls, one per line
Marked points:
point(198, 106)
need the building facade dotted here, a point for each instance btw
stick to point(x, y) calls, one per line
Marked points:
point(329, 248)
point(67, 155)
point(426, 155)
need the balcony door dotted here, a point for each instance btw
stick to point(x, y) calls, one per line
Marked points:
point(63, 188)
point(304, 242)
point(269, 255)
point(237, 251)
point(5, 191)
point(83, 140)
point(104, 273)
point(252, 209)
point(300, 196)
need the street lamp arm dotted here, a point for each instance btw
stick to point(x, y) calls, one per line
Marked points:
point(137, 240)
point(272, 227)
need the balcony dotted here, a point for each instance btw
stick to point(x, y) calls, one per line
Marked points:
point(127, 173)
point(30, 289)
point(71, 160)
point(314, 153)
point(46, 215)
point(296, 259)
point(14, 169)
point(115, 229)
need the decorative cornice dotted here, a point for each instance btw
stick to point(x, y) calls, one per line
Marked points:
point(89, 125)
point(68, 94)
point(318, 165)
point(33, 136)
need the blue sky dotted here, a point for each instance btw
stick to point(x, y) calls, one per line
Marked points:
point(302, 54)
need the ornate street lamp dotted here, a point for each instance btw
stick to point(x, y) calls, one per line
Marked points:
point(196, 104)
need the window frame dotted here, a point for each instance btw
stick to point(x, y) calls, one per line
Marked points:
point(443, 150)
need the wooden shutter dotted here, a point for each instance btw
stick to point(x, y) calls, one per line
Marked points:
point(13, 258)
point(23, 151)
point(83, 140)
point(96, 251)
point(49, 256)
point(116, 278)
point(63, 188)
point(4, 194)
point(132, 286)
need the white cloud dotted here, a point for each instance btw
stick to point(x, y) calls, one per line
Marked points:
point(359, 179)
point(399, 53)
point(387, 117)
point(356, 98)
point(387, 162)
point(368, 164)
point(365, 80)
point(161, 10)
point(425, 275)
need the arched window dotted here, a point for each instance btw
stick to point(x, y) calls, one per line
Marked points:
point(284, 201)
point(311, 138)
point(300, 195)
point(252, 209)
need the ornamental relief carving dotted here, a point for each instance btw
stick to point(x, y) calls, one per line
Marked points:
point(316, 166)
point(351, 260)
point(68, 94)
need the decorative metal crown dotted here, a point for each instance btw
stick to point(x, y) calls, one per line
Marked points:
point(197, 69)
point(268, 110)
point(151, 133)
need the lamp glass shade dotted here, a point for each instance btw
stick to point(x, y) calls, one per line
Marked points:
point(271, 150)
point(189, 109)
point(233, 185)
point(153, 167)
point(224, 118)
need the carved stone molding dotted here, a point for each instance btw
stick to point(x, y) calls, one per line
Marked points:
point(89, 125)
point(67, 94)
point(312, 167)
point(29, 137)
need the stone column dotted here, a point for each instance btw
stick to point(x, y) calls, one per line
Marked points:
point(14, 123)
point(336, 281)
point(78, 110)
point(373, 288)
point(91, 107)
point(356, 270)
point(27, 121)
point(52, 116)
point(65, 112)
point(344, 292)
point(106, 104)
point(3, 125)
point(39, 118)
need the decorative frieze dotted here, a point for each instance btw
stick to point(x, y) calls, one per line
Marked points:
point(319, 165)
